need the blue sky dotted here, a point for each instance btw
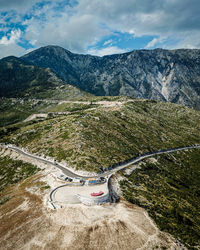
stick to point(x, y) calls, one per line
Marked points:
point(98, 27)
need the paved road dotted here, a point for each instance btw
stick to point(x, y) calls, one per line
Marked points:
point(111, 169)
point(64, 170)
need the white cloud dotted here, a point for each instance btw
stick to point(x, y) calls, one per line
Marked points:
point(174, 23)
point(9, 46)
point(156, 42)
point(12, 38)
point(18, 5)
point(131, 31)
point(110, 41)
point(189, 41)
point(175, 19)
point(106, 51)
point(75, 33)
point(152, 43)
point(11, 50)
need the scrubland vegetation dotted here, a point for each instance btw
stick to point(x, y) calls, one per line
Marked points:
point(88, 139)
point(168, 188)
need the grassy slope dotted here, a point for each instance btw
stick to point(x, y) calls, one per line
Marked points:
point(71, 107)
point(64, 92)
point(21, 207)
point(16, 110)
point(12, 171)
point(89, 139)
point(13, 110)
point(169, 190)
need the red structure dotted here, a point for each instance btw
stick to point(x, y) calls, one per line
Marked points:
point(97, 194)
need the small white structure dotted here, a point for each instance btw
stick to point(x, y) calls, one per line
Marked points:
point(77, 180)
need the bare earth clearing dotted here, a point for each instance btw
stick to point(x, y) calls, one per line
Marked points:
point(105, 104)
point(28, 223)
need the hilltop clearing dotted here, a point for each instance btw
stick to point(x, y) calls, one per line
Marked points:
point(28, 223)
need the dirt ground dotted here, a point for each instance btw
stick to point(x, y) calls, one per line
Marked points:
point(67, 194)
point(26, 222)
point(119, 226)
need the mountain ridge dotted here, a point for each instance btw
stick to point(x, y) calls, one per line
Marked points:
point(167, 75)
point(19, 78)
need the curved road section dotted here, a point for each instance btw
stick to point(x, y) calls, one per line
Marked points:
point(111, 169)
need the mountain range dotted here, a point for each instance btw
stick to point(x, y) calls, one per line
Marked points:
point(166, 75)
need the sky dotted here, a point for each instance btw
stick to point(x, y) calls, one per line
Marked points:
point(98, 27)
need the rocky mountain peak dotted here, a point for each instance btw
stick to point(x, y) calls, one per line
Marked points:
point(169, 75)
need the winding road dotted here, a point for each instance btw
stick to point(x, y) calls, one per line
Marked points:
point(111, 169)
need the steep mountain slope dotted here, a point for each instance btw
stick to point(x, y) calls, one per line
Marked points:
point(155, 74)
point(22, 79)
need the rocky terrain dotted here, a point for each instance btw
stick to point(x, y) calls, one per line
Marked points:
point(169, 75)
point(86, 136)
point(89, 133)
point(167, 187)
point(28, 223)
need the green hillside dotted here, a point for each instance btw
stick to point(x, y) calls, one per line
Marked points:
point(19, 79)
point(103, 131)
point(12, 172)
point(16, 110)
point(168, 188)
point(104, 135)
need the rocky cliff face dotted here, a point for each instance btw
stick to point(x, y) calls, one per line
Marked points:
point(169, 75)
